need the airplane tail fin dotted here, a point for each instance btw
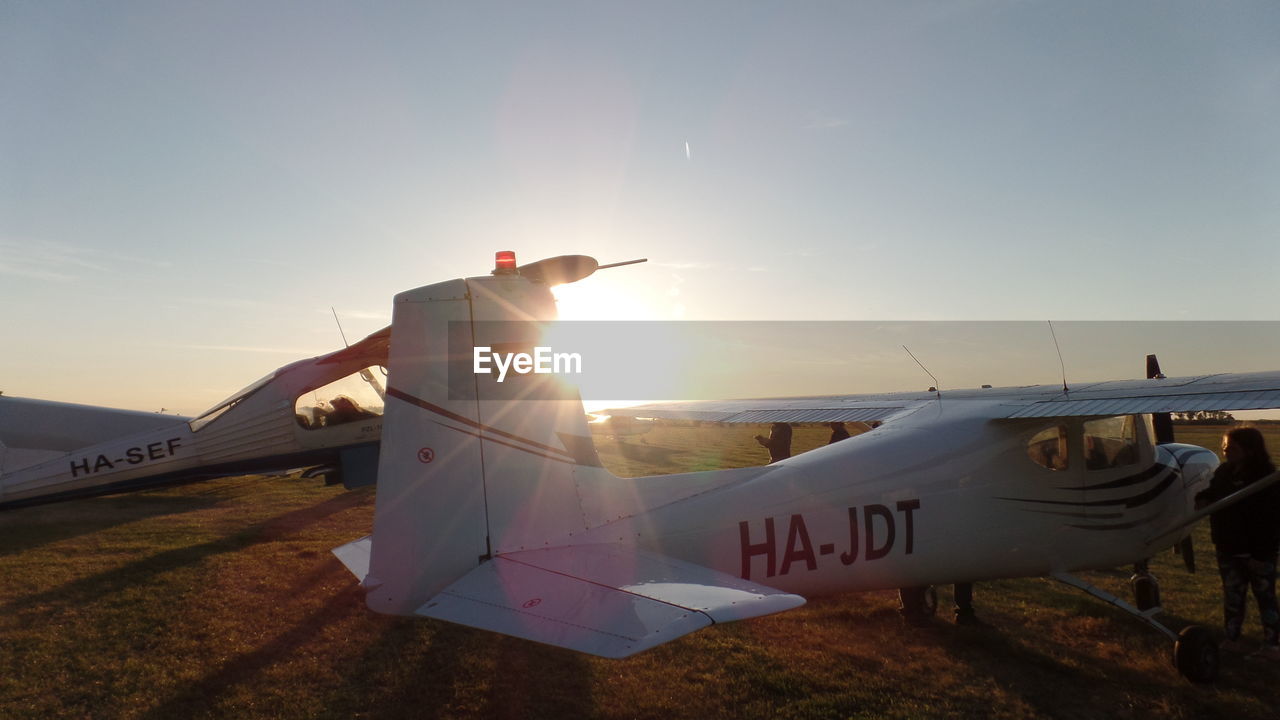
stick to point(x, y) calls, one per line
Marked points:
point(469, 466)
point(491, 496)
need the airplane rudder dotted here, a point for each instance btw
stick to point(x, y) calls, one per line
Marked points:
point(537, 446)
point(429, 520)
point(470, 466)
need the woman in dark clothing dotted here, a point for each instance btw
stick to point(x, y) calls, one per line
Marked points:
point(1246, 536)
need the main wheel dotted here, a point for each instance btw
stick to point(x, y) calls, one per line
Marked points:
point(1195, 654)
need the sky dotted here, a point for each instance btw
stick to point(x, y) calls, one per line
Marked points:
point(187, 188)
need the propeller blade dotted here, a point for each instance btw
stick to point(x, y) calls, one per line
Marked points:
point(1163, 426)
point(1153, 368)
point(1162, 423)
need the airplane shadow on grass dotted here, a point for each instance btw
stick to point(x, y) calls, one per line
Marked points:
point(1065, 676)
point(412, 668)
point(199, 697)
point(1062, 681)
point(44, 524)
point(421, 668)
point(81, 591)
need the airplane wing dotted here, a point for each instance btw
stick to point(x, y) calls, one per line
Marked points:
point(50, 425)
point(373, 346)
point(606, 600)
point(35, 431)
point(843, 408)
point(1228, 391)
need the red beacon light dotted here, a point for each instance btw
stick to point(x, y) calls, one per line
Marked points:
point(504, 263)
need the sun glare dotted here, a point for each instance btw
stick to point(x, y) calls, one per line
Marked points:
point(631, 342)
point(603, 301)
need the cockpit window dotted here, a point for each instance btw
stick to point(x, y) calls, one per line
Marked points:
point(358, 396)
point(1048, 448)
point(1110, 442)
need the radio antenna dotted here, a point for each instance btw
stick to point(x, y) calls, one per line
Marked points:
point(620, 264)
point(1061, 364)
point(926, 372)
point(340, 332)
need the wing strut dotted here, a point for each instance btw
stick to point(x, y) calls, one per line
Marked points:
point(1147, 616)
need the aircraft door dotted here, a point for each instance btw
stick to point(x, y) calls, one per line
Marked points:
point(1111, 450)
point(1110, 443)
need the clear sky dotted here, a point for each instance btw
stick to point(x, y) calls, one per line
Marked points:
point(187, 187)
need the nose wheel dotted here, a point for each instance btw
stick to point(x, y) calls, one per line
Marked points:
point(1195, 654)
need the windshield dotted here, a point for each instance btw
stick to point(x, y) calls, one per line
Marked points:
point(216, 411)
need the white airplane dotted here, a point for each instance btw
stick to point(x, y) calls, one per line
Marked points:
point(493, 510)
point(324, 413)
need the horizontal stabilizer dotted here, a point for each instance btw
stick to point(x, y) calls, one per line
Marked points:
point(355, 555)
point(606, 600)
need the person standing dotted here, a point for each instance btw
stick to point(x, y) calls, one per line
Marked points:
point(916, 605)
point(838, 432)
point(1246, 537)
point(778, 443)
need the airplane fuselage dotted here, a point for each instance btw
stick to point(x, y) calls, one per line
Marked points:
point(953, 498)
point(283, 421)
point(493, 509)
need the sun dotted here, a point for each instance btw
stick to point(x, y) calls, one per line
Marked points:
point(599, 299)
point(628, 340)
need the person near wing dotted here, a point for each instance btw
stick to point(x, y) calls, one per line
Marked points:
point(838, 432)
point(778, 443)
point(1246, 537)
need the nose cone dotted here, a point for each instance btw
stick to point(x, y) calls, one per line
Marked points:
point(1197, 463)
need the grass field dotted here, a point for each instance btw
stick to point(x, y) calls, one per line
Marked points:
point(221, 600)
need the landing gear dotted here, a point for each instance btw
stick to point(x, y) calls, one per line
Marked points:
point(332, 474)
point(1195, 652)
point(1146, 591)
